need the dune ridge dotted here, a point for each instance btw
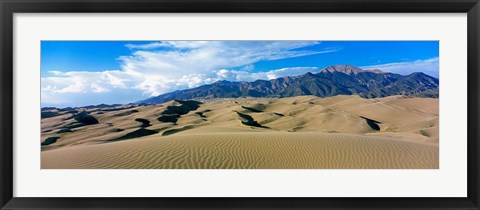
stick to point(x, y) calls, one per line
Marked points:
point(233, 133)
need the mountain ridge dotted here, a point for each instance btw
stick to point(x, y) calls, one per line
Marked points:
point(329, 81)
point(349, 69)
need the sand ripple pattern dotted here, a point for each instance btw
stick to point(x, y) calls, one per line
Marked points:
point(282, 150)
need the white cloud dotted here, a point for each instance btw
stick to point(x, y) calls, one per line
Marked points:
point(169, 44)
point(84, 82)
point(290, 71)
point(75, 85)
point(178, 65)
point(427, 66)
point(186, 57)
point(76, 88)
point(233, 75)
point(152, 45)
point(192, 63)
point(248, 67)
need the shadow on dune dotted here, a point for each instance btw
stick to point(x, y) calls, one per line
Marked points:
point(82, 118)
point(177, 130)
point(248, 120)
point(372, 123)
point(201, 114)
point(115, 130)
point(85, 118)
point(125, 113)
point(73, 125)
point(172, 113)
point(64, 130)
point(48, 114)
point(134, 134)
point(255, 108)
point(145, 122)
point(50, 140)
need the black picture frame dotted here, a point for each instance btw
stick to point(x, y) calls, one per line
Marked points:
point(9, 7)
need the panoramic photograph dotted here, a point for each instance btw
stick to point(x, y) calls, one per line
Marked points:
point(160, 104)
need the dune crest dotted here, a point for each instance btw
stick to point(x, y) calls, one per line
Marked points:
point(250, 133)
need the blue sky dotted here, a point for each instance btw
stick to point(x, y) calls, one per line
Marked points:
point(77, 73)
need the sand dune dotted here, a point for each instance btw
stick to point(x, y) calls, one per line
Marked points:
point(295, 132)
point(243, 150)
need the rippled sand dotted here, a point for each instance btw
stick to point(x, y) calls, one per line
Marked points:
point(249, 151)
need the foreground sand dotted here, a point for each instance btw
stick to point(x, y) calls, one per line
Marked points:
point(292, 133)
point(249, 151)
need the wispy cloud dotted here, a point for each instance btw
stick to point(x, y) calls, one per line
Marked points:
point(150, 71)
point(169, 44)
point(427, 66)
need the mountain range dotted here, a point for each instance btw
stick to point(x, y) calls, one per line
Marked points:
point(330, 81)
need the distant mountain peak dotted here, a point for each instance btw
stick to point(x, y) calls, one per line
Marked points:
point(222, 82)
point(349, 69)
point(354, 81)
